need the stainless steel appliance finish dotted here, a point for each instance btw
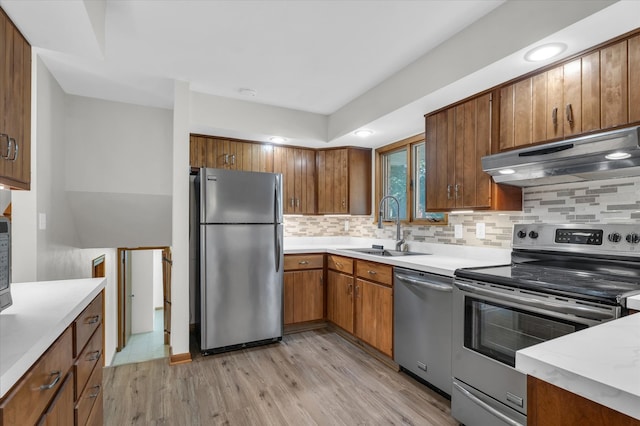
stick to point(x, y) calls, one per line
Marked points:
point(5, 263)
point(241, 259)
point(422, 325)
point(562, 278)
point(574, 160)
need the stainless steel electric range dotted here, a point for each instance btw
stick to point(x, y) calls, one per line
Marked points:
point(562, 278)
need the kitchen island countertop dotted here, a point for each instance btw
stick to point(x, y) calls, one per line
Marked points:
point(600, 363)
point(40, 313)
point(442, 259)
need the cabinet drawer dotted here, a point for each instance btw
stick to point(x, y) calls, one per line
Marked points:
point(339, 263)
point(32, 393)
point(87, 361)
point(92, 393)
point(96, 418)
point(303, 261)
point(375, 272)
point(60, 412)
point(86, 323)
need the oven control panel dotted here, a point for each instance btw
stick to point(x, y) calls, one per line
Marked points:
point(623, 239)
point(579, 236)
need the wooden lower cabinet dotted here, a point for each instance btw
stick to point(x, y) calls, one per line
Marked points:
point(68, 387)
point(303, 288)
point(360, 305)
point(375, 315)
point(340, 307)
point(550, 405)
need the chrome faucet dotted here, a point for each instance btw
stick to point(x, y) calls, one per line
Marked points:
point(399, 239)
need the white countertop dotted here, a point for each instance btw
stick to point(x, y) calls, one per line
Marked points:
point(443, 259)
point(600, 363)
point(41, 311)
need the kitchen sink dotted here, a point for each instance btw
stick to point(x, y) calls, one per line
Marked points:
point(386, 253)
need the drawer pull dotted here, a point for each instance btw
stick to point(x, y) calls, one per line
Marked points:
point(92, 320)
point(303, 262)
point(96, 393)
point(92, 356)
point(54, 382)
point(372, 272)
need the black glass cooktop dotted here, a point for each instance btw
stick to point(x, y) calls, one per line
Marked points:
point(588, 279)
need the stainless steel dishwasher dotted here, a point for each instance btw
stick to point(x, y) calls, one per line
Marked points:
point(422, 305)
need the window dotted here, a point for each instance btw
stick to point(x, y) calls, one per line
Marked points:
point(401, 172)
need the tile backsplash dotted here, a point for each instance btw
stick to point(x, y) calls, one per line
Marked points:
point(606, 201)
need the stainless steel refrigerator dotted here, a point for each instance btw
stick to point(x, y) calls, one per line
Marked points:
point(241, 259)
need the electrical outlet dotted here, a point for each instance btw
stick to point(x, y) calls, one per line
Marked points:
point(457, 231)
point(346, 225)
point(480, 228)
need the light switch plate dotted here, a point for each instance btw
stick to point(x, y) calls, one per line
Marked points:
point(480, 230)
point(457, 231)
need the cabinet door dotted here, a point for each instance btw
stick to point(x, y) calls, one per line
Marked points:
point(284, 162)
point(308, 296)
point(289, 288)
point(476, 186)
point(306, 192)
point(541, 114)
point(254, 157)
point(60, 412)
point(15, 114)
point(431, 162)
point(522, 114)
point(613, 83)
point(340, 300)
point(340, 181)
point(634, 79)
point(555, 103)
point(442, 198)
point(572, 98)
point(197, 151)
point(591, 92)
point(375, 315)
point(325, 193)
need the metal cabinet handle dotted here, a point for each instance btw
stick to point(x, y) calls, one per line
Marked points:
point(94, 319)
point(569, 111)
point(303, 262)
point(344, 203)
point(233, 159)
point(338, 264)
point(554, 116)
point(291, 202)
point(448, 192)
point(357, 290)
point(15, 150)
point(456, 188)
point(372, 272)
point(96, 393)
point(486, 406)
point(350, 289)
point(297, 202)
point(92, 356)
point(55, 380)
point(226, 158)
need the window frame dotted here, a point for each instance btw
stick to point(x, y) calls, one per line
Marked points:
point(406, 145)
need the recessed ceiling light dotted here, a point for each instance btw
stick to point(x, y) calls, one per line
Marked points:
point(277, 139)
point(617, 155)
point(247, 92)
point(363, 133)
point(545, 51)
point(506, 171)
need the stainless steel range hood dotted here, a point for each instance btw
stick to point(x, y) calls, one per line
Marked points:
point(600, 156)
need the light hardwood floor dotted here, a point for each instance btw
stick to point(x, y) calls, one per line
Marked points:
point(310, 378)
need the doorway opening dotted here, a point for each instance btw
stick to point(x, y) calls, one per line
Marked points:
point(144, 304)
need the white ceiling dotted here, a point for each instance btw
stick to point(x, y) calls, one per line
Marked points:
point(358, 63)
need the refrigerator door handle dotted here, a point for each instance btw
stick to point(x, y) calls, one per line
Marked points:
point(278, 247)
point(277, 199)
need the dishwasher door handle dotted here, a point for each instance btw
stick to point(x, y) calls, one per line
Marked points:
point(426, 284)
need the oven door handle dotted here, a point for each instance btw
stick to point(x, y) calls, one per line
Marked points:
point(582, 311)
point(486, 406)
point(425, 283)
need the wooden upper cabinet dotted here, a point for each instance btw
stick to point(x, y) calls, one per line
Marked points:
point(344, 181)
point(614, 95)
point(15, 106)
point(633, 45)
point(457, 138)
point(298, 168)
point(220, 153)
